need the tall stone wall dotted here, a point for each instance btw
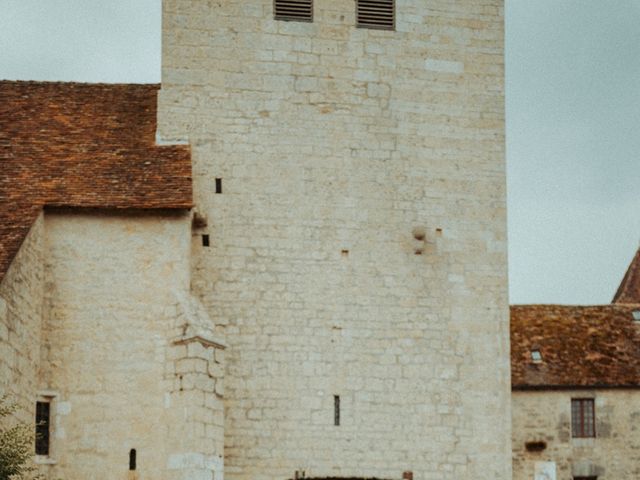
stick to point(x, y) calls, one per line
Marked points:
point(21, 304)
point(121, 371)
point(358, 244)
point(546, 417)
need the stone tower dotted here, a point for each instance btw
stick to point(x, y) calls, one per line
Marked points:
point(349, 240)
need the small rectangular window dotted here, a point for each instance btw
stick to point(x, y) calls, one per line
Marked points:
point(132, 459)
point(536, 356)
point(293, 10)
point(583, 418)
point(585, 478)
point(380, 14)
point(218, 185)
point(336, 410)
point(43, 414)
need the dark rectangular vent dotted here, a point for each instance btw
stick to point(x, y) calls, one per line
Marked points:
point(296, 10)
point(378, 14)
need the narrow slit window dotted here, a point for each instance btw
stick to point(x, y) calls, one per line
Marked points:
point(336, 410)
point(218, 185)
point(583, 418)
point(293, 10)
point(43, 422)
point(132, 459)
point(205, 240)
point(377, 14)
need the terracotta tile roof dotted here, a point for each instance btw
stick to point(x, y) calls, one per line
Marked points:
point(595, 346)
point(82, 145)
point(629, 289)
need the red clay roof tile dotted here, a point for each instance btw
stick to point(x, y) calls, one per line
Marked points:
point(597, 346)
point(82, 145)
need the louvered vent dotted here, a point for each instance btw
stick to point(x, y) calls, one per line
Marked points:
point(376, 14)
point(296, 10)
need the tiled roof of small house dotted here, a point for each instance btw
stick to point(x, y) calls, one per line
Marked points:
point(596, 346)
point(629, 289)
point(82, 145)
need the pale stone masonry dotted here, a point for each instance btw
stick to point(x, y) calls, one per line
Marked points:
point(98, 320)
point(332, 300)
point(358, 245)
point(21, 309)
point(116, 295)
point(96, 314)
point(614, 453)
point(334, 304)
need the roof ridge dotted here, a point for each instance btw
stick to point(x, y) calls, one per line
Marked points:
point(629, 289)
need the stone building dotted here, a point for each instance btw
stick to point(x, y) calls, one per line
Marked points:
point(575, 377)
point(94, 268)
point(330, 303)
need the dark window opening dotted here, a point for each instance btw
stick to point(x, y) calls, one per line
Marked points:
point(336, 410)
point(378, 14)
point(205, 240)
point(132, 459)
point(218, 185)
point(43, 419)
point(583, 418)
point(585, 478)
point(293, 10)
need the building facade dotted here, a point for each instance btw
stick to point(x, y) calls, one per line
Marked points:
point(334, 305)
point(95, 281)
point(352, 180)
point(575, 400)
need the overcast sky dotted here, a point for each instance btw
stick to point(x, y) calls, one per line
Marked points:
point(573, 114)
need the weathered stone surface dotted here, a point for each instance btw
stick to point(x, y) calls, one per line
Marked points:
point(357, 249)
point(546, 416)
point(116, 293)
point(333, 145)
point(21, 307)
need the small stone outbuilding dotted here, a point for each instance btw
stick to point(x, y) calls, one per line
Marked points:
point(576, 388)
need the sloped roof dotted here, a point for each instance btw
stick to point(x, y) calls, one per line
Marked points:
point(629, 289)
point(82, 145)
point(597, 346)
